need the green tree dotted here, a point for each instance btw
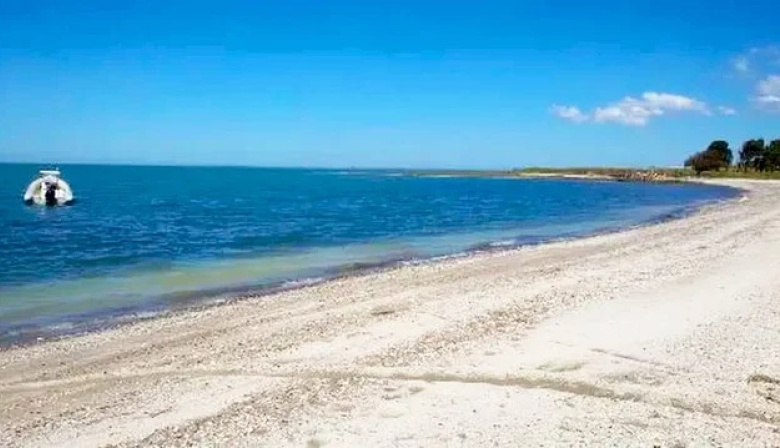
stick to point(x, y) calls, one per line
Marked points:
point(717, 155)
point(719, 150)
point(772, 155)
point(752, 153)
point(704, 161)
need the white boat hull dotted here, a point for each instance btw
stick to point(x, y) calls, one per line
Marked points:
point(36, 191)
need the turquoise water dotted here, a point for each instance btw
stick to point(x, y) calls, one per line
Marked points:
point(141, 239)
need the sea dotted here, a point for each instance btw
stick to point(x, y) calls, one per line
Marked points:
point(142, 240)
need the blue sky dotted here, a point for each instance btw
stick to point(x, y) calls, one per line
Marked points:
point(491, 84)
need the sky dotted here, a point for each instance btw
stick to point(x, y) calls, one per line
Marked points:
point(419, 84)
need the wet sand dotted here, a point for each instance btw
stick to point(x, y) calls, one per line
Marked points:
point(665, 335)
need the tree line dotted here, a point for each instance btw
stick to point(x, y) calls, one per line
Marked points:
point(755, 154)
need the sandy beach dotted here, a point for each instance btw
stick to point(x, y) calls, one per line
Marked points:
point(667, 335)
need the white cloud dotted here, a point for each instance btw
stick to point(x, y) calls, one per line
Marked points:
point(760, 65)
point(674, 102)
point(725, 110)
point(769, 99)
point(626, 111)
point(768, 92)
point(635, 111)
point(769, 85)
point(570, 113)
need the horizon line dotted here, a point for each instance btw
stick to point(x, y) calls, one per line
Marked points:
point(303, 167)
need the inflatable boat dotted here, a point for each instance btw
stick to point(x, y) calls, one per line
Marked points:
point(48, 189)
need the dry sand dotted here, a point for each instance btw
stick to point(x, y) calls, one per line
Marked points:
point(667, 335)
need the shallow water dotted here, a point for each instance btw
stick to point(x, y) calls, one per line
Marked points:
point(147, 238)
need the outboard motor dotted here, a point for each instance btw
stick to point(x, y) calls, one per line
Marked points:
point(51, 194)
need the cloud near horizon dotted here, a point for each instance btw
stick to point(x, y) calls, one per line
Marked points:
point(768, 93)
point(570, 113)
point(632, 111)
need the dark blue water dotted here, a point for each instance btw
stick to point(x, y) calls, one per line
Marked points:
point(151, 237)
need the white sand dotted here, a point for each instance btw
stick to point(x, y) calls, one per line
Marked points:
point(667, 335)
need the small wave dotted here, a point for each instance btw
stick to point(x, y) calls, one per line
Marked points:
point(505, 243)
point(299, 283)
point(61, 327)
point(139, 315)
point(428, 260)
point(349, 173)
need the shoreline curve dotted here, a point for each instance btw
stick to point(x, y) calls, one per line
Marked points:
point(658, 335)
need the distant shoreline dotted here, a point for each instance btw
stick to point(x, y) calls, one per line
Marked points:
point(650, 174)
point(597, 174)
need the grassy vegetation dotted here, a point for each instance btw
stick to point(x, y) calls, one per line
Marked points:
point(604, 171)
point(731, 172)
point(735, 173)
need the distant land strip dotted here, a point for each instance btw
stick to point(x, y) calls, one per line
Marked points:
point(650, 174)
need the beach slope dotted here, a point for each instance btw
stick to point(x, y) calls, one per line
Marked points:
point(667, 335)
